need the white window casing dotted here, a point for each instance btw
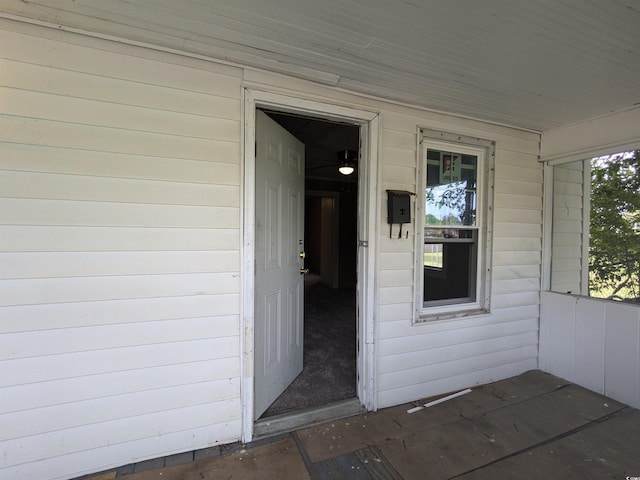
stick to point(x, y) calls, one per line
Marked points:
point(478, 234)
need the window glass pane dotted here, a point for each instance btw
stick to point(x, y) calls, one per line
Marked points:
point(614, 229)
point(433, 255)
point(451, 229)
point(459, 233)
point(451, 197)
point(569, 189)
point(455, 279)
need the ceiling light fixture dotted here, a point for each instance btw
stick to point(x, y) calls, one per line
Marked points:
point(346, 161)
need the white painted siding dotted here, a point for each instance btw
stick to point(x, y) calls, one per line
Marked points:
point(418, 360)
point(120, 254)
point(592, 342)
point(568, 243)
point(121, 246)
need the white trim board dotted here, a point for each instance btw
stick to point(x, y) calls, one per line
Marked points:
point(611, 133)
point(367, 236)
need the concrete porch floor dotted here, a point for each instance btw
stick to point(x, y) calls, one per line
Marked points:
point(531, 426)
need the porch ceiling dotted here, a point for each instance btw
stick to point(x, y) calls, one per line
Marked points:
point(530, 64)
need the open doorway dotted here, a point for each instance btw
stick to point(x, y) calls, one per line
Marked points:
point(330, 248)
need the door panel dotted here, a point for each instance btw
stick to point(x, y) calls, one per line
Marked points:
point(279, 285)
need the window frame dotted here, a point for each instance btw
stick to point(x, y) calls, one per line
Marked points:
point(484, 150)
point(551, 258)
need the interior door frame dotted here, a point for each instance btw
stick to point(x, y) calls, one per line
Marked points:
point(367, 237)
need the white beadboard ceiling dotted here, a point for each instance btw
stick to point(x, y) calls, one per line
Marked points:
point(534, 64)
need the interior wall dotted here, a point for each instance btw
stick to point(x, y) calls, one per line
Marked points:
point(319, 231)
point(313, 233)
point(326, 216)
point(347, 227)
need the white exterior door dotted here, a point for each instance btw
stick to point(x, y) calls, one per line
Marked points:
point(279, 281)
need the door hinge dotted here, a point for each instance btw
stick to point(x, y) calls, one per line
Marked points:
point(363, 243)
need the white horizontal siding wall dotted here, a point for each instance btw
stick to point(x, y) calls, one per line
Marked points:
point(121, 246)
point(419, 360)
point(568, 236)
point(119, 258)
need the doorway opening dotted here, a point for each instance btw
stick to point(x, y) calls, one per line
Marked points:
point(329, 372)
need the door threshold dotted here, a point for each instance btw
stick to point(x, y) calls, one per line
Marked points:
point(287, 422)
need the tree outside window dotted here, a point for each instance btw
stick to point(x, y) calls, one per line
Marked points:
point(614, 236)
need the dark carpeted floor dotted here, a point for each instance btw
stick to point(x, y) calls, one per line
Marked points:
point(329, 372)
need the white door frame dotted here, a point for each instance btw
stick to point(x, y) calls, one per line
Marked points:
point(367, 237)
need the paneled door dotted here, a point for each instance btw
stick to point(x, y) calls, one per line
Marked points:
point(279, 257)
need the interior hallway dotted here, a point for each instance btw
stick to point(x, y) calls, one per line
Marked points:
point(531, 426)
point(329, 366)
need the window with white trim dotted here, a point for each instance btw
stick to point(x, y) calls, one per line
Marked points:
point(453, 227)
point(595, 228)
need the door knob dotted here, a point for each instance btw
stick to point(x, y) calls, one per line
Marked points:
point(304, 271)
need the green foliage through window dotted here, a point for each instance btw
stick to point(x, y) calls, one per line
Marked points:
point(614, 244)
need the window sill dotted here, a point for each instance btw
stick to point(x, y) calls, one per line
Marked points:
point(424, 317)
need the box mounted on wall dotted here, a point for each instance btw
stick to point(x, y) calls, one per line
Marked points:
point(398, 209)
